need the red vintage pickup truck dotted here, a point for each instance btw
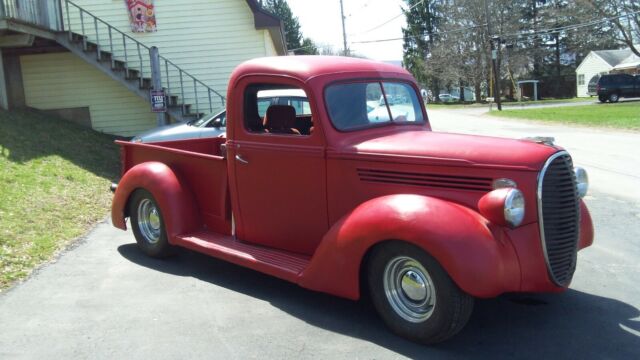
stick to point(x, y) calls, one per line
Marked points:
point(352, 194)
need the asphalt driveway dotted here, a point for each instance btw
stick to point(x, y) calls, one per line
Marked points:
point(104, 299)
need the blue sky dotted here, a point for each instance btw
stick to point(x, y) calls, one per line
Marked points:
point(320, 20)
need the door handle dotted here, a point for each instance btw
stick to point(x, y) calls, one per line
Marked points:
point(241, 160)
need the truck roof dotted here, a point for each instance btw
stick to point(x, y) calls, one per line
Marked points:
point(309, 66)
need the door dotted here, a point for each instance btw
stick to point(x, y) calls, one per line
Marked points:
point(280, 177)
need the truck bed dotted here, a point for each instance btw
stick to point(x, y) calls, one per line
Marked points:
point(197, 162)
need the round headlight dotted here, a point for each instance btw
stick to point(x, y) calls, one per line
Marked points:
point(514, 208)
point(582, 181)
point(503, 207)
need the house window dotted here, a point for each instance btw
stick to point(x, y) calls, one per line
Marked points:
point(581, 79)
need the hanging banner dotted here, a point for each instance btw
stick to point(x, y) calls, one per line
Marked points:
point(142, 15)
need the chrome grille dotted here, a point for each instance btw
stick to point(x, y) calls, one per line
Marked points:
point(559, 216)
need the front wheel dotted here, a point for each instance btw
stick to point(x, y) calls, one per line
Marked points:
point(148, 226)
point(414, 296)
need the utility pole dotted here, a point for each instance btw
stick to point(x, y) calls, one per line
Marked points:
point(495, 52)
point(344, 32)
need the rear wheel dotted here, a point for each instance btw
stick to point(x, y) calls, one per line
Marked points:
point(602, 98)
point(614, 97)
point(414, 296)
point(147, 225)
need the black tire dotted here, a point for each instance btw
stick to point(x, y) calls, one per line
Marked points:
point(602, 98)
point(614, 97)
point(451, 307)
point(151, 236)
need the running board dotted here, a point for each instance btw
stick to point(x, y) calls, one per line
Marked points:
point(282, 264)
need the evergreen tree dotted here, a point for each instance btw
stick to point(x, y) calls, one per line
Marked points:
point(295, 41)
point(422, 22)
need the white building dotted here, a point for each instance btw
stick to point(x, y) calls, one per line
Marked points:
point(604, 62)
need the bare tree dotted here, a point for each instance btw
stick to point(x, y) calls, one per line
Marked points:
point(625, 16)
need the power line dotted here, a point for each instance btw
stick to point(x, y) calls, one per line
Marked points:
point(513, 35)
point(568, 27)
point(423, 34)
point(390, 20)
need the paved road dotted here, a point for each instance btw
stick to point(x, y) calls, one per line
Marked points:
point(611, 157)
point(103, 299)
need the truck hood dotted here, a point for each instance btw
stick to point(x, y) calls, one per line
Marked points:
point(440, 148)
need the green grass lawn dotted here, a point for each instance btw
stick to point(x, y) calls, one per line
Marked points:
point(54, 179)
point(516, 103)
point(620, 115)
point(551, 101)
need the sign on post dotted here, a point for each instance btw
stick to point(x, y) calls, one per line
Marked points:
point(158, 101)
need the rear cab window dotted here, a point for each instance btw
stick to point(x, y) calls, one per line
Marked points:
point(360, 105)
point(274, 109)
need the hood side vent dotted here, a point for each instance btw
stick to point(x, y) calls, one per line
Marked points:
point(426, 180)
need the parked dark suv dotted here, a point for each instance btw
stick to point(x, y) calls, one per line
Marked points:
point(614, 86)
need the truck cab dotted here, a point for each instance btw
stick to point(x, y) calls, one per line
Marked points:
point(355, 195)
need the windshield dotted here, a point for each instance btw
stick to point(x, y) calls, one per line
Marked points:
point(208, 119)
point(367, 104)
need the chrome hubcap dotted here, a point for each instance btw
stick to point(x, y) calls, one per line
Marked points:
point(149, 221)
point(409, 289)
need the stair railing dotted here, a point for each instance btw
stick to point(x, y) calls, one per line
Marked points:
point(123, 48)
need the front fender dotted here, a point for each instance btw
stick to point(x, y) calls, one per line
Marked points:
point(586, 227)
point(480, 263)
point(176, 201)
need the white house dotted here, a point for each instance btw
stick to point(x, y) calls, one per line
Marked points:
point(604, 62)
point(89, 60)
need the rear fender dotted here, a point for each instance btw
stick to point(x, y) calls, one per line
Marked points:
point(176, 201)
point(480, 263)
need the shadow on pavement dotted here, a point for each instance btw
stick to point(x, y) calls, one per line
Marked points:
point(569, 325)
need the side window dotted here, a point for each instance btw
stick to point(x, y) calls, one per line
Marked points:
point(277, 109)
point(628, 79)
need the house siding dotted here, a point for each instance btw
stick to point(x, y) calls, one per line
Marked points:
point(62, 80)
point(206, 38)
point(592, 65)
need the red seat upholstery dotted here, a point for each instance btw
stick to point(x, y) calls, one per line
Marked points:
point(281, 119)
